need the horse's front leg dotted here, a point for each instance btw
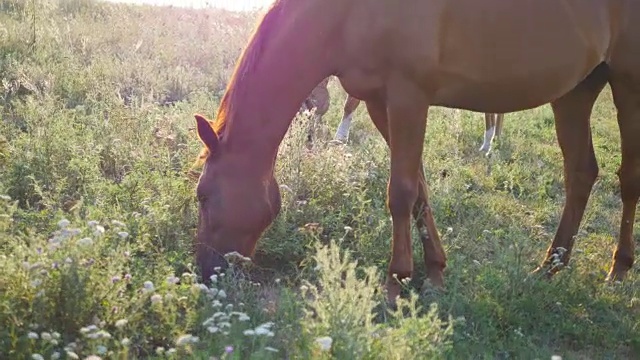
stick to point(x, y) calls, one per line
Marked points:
point(407, 107)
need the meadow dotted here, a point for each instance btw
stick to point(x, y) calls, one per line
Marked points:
point(98, 214)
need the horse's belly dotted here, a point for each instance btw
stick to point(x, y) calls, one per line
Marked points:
point(511, 93)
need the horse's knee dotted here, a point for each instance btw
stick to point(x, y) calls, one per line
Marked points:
point(402, 196)
point(629, 176)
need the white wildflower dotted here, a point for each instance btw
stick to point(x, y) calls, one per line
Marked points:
point(156, 299)
point(32, 335)
point(556, 357)
point(72, 355)
point(93, 357)
point(62, 224)
point(121, 323)
point(171, 280)
point(123, 234)
point(171, 351)
point(249, 332)
point(148, 286)
point(125, 342)
point(324, 343)
point(55, 355)
point(85, 242)
point(243, 317)
point(118, 223)
point(99, 230)
point(46, 336)
point(37, 357)
point(101, 349)
point(222, 294)
point(186, 339)
point(159, 350)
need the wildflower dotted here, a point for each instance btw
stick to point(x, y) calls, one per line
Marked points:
point(159, 350)
point(156, 298)
point(115, 279)
point(55, 355)
point(269, 348)
point(249, 332)
point(92, 223)
point(148, 286)
point(56, 335)
point(85, 242)
point(68, 260)
point(214, 278)
point(125, 342)
point(72, 355)
point(46, 336)
point(171, 351)
point(556, 357)
point(99, 230)
point(32, 335)
point(121, 323)
point(127, 254)
point(93, 357)
point(228, 349)
point(127, 276)
point(101, 349)
point(243, 317)
point(62, 224)
point(123, 234)
point(118, 223)
point(171, 280)
point(186, 339)
point(324, 343)
point(213, 329)
point(222, 294)
point(37, 357)
point(168, 296)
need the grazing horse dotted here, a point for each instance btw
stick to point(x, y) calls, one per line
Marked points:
point(492, 56)
point(320, 100)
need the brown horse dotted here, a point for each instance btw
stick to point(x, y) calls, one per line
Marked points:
point(320, 100)
point(493, 56)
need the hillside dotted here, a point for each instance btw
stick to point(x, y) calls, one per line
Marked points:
point(98, 213)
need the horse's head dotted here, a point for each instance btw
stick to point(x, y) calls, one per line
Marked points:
point(238, 199)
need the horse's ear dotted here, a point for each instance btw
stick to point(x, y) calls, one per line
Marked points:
point(206, 133)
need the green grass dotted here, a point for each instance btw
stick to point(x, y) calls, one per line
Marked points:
point(98, 214)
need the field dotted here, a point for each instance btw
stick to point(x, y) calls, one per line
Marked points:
point(98, 214)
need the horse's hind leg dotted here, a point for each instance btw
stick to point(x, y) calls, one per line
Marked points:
point(489, 131)
point(572, 113)
point(321, 100)
point(499, 123)
point(350, 106)
point(626, 96)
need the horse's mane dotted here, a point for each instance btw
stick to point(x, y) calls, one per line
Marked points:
point(246, 65)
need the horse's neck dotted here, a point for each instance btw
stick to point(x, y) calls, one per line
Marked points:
point(295, 59)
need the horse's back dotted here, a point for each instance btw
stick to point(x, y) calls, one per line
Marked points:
point(493, 55)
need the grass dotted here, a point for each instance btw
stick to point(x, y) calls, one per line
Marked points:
point(98, 213)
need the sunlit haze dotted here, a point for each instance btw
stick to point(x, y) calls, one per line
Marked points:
point(225, 4)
